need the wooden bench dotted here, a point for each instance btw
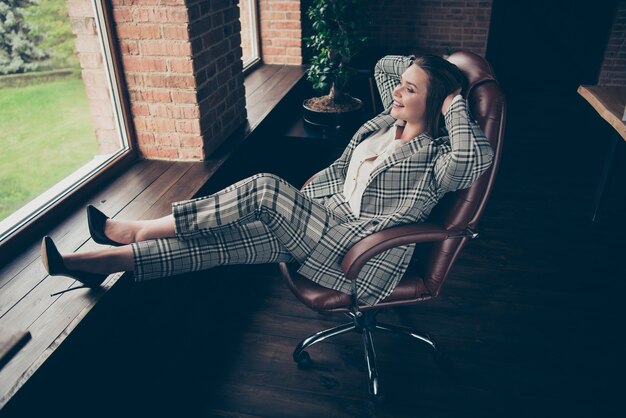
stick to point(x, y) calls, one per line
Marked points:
point(144, 191)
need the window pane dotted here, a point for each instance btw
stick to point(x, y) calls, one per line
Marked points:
point(58, 117)
point(249, 32)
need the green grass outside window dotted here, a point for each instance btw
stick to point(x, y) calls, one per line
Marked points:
point(45, 134)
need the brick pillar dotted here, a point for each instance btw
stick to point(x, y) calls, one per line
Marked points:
point(281, 31)
point(215, 33)
point(182, 62)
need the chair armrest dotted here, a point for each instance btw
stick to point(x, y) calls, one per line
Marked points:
point(381, 241)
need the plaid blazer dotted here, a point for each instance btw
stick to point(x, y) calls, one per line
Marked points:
point(403, 189)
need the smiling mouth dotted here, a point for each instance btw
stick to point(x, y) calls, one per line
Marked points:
point(397, 105)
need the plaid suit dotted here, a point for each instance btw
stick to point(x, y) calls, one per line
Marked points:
point(403, 189)
point(248, 223)
point(261, 219)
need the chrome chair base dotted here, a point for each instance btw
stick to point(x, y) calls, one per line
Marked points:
point(363, 323)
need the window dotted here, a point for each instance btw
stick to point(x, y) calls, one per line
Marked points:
point(61, 116)
point(248, 15)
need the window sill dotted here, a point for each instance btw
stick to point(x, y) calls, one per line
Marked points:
point(57, 192)
point(143, 191)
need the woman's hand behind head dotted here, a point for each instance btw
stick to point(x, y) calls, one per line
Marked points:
point(448, 100)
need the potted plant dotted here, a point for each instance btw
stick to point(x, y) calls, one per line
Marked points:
point(337, 27)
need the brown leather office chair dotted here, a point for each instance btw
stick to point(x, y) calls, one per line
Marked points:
point(451, 224)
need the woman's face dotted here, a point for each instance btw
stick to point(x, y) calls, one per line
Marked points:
point(409, 97)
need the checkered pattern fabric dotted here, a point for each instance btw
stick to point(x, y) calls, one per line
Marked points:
point(263, 219)
point(403, 189)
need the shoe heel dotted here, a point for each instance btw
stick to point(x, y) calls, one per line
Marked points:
point(53, 263)
point(60, 292)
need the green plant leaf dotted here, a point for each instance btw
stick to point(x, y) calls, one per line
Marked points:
point(338, 26)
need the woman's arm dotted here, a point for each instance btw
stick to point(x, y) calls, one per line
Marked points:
point(470, 153)
point(387, 74)
point(330, 180)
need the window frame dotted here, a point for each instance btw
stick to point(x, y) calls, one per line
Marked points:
point(255, 30)
point(31, 228)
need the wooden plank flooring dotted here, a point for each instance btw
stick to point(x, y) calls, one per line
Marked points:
point(530, 319)
point(145, 191)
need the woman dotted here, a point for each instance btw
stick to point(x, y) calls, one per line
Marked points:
point(394, 170)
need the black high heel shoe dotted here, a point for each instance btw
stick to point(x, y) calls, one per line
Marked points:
point(96, 221)
point(53, 262)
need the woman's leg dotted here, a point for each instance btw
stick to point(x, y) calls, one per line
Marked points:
point(105, 261)
point(262, 219)
point(245, 200)
point(164, 257)
point(250, 244)
point(128, 231)
point(291, 216)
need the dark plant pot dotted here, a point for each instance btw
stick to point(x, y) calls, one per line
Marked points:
point(331, 119)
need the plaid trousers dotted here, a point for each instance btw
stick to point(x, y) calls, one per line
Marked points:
point(261, 219)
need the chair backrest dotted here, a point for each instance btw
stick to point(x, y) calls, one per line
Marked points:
point(462, 209)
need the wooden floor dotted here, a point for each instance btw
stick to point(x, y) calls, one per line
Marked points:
point(531, 318)
point(143, 191)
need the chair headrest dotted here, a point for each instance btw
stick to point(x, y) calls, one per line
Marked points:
point(475, 67)
point(487, 106)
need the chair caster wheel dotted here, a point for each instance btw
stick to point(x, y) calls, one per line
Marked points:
point(304, 361)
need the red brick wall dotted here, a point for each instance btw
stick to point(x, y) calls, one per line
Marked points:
point(156, 55)
point(281, 31)
point(430, 25)
point(613, 71)
point(183, 70)
point(182, 59)
point(214, 31)
point(182, 64)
